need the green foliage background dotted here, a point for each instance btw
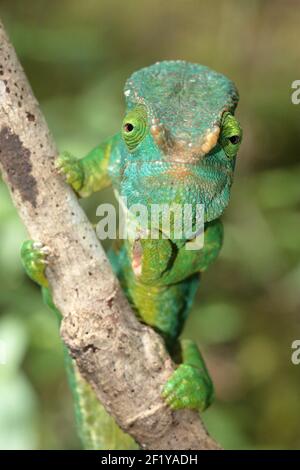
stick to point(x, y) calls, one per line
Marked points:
point(77, 55)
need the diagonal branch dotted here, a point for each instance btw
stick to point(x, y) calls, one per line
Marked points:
point(124, 361)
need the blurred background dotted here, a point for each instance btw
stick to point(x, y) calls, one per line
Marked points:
point(77, 56)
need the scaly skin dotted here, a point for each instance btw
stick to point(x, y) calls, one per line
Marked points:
point(178, 144)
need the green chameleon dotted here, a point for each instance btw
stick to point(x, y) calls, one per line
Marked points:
point(177, 144)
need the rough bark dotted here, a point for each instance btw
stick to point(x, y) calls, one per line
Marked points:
point(125, 361)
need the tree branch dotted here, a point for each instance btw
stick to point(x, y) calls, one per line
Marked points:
point(125, 361)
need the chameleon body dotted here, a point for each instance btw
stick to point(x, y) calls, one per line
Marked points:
point(178, 144)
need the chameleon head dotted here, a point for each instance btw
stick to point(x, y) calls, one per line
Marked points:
point(179, 137)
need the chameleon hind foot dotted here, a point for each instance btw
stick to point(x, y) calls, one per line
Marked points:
point(190, 385)
point(187, 388)
point(34, 260)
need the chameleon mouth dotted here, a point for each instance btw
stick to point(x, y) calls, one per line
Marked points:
point(177, 170)
point(158, 173)
point(161, 182)
point(165, 164)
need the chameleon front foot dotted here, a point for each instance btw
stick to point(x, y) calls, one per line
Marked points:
point(34, 260)
point(71, 169)
point(188, 387)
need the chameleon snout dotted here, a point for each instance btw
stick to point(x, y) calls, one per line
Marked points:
point(183, 149)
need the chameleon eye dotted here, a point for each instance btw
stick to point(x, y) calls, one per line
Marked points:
point(231, 135)
point(134, 127)
point(128, 127)
point(235, 139)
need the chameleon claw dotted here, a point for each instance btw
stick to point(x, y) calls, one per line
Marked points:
point(37, 245)
point(45, 250)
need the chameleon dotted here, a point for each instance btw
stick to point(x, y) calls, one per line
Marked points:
point(178, 142)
